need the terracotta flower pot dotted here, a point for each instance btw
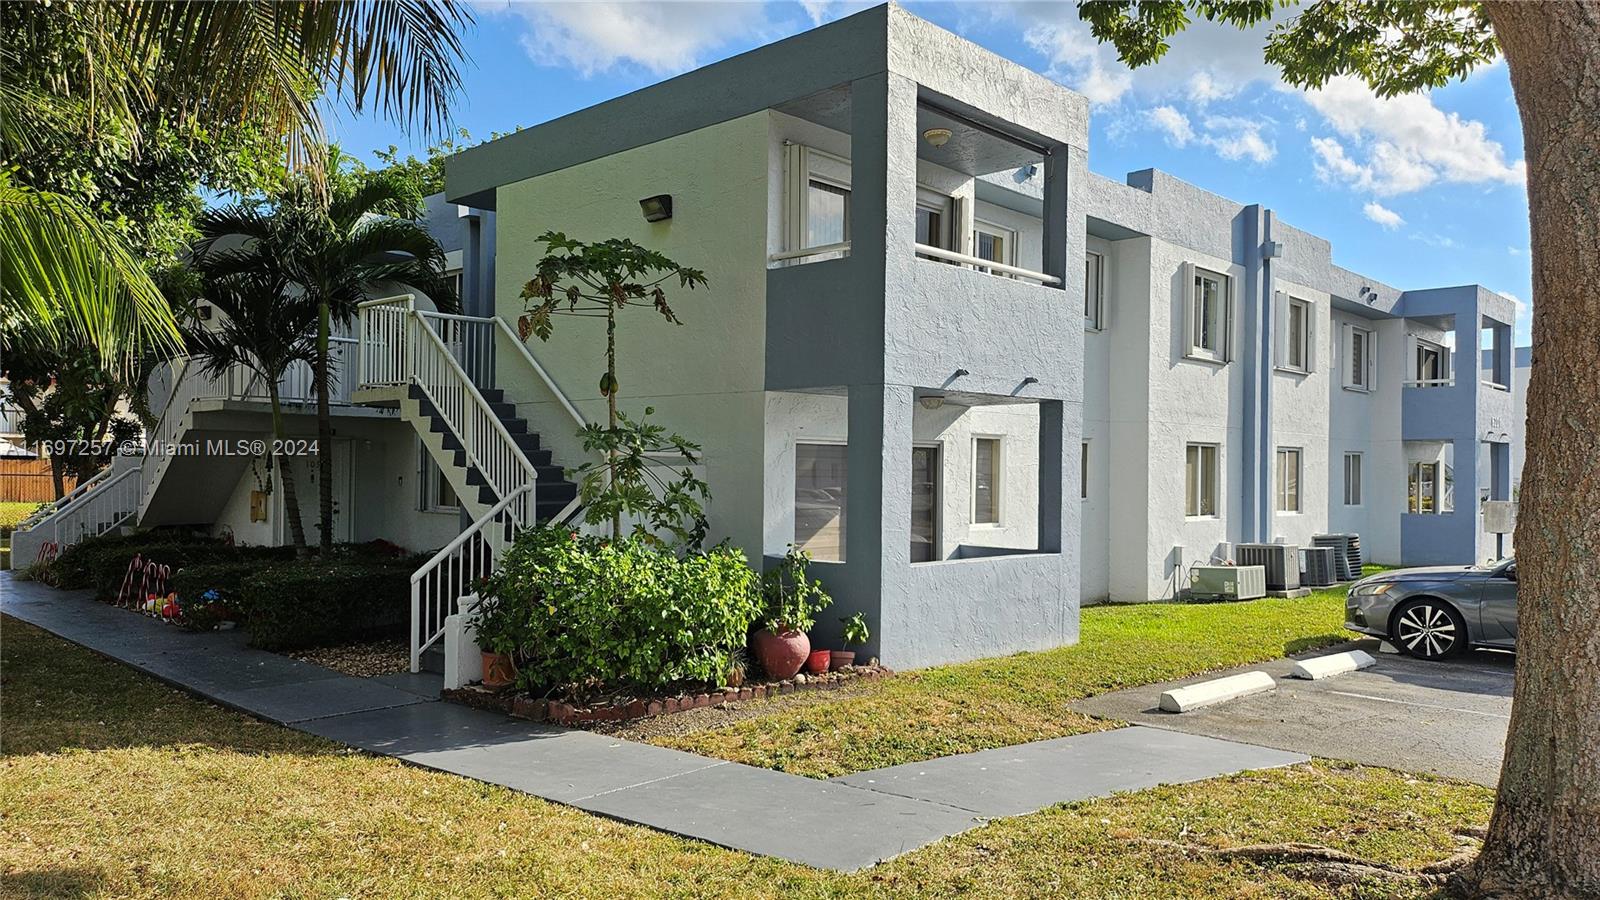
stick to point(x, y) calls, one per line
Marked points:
point(817, 662)
point(838, 659)
point(498, 670)
point(781, 655)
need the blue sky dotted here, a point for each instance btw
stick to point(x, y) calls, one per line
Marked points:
point(1416, 191)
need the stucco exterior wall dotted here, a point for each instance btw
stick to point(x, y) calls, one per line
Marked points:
point(705, 378)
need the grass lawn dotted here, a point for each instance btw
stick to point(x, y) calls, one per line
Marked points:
point(11, 512)
point(112, 784)
point(1010, 700)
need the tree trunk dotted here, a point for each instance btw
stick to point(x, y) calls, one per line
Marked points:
point(291, 501)
point(1544, 837)
point(324, 430)
point(611, 412)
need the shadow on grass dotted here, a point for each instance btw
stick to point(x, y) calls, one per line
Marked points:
point(52, 883)
point(59, 696)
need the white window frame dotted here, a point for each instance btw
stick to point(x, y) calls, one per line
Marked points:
point(1368, 378)
point(803, 165)
point(1353, 486)
point(1414, 486)
point(1009, 246)
point(1281, 495)
point(1194, 488)
point(431, 477)
point(794, 511)
point(999, 479)
point(1094, 290)
point(1193, 276)
point(938, 498)
point(1287, 333)
point(1418, 346)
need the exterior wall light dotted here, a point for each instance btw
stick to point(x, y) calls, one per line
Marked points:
point(936, 137)
point(931, 401)
point(657, 208)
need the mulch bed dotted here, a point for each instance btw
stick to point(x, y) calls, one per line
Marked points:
point(362, 659)
point(601, 714)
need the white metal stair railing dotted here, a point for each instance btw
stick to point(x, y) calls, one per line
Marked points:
point(47, 510)
point(452, 573)
point(106, 507)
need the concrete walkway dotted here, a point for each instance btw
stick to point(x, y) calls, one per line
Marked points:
point(845, 824)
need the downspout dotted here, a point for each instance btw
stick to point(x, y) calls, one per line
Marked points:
point(1265, 251)
point(1250, 525)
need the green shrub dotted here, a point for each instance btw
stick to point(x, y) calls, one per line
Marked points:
point(210, 593)
point(791, 599)
point(578, 610)
point(83, 564)
point(312, 603)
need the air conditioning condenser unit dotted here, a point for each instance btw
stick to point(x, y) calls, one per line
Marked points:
point(1227, 582)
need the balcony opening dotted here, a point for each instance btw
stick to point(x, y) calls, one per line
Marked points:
point(1430, 477)
point(1430, 351)
point(1494, 345)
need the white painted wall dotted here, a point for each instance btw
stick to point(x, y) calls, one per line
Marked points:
point(793, 418)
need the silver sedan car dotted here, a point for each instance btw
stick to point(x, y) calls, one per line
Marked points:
point(1437, 612)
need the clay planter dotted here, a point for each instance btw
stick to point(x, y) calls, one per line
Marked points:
point(838, 659)
point(498, 670)
point(781, 655)
point(817, 662)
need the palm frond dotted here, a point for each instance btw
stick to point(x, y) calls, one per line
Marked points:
point(68, 276)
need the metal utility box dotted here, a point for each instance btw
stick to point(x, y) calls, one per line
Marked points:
point(1282, 562)
point(1317, 567)
point(1227, 582)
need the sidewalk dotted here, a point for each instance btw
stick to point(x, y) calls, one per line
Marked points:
point(846, 824)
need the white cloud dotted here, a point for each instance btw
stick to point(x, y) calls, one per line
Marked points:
point(1235, 137)
point(1205, 63)
point(1408, 142)
point(1384, 216)
point(661, 38)
point(1522, 328)
point(1435, 240)
point(1175, 125)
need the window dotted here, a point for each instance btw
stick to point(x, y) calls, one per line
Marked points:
point(993, 243)
point(435, 493)
point(827, 213)
point(1093, 290)
point(1432, 364)
point(1360, 362)
point(1200, 480)
point(930, 226)
point(1288, 480)
point(1296, 353)
point(986, 457)
point(1083, 472)
point(1210, 317)
point(1352, 479)
point(820, 485)
point(925, 504)
point(1422, 491)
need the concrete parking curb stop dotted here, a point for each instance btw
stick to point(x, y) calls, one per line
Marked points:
point(1217, 690)
point(1319, 667)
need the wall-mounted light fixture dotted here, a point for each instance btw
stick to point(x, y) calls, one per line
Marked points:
point(936, 137)
point(1025, 173)
point(657, 208)
point(931, 401)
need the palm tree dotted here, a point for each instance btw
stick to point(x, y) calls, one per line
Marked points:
point(266, 326)
point(335, 247)
point(110, 66)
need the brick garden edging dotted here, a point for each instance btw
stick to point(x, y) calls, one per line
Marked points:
point(563, 713)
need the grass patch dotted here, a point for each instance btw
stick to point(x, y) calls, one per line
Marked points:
point(112, 784)
point(1014, 699)
point(13, 512)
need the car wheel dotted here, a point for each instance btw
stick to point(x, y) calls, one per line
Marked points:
point(1429, 629)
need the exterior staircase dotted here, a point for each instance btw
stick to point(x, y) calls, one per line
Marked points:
point(107, 501)
point(443, 372)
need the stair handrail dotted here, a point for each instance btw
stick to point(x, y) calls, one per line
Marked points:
point(46, 510)
point(527, 356)
point(460, 572)
point(107, 490)
point(482, 407)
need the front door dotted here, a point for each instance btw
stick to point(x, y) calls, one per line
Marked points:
point(1497, 609)
point(924, 504)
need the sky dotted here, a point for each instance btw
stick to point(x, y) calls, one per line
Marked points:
point(1415, 191)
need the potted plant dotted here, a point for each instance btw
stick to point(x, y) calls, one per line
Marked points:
point(792, 602)
point(497, 641)
point(855, 634)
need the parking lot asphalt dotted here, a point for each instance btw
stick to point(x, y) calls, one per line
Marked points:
point(1445, 718)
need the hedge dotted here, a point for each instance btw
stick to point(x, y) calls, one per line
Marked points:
point(314, 603)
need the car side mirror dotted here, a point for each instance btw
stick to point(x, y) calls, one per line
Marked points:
point(1511, 572)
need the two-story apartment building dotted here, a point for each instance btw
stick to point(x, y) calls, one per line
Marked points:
point(980, 384)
